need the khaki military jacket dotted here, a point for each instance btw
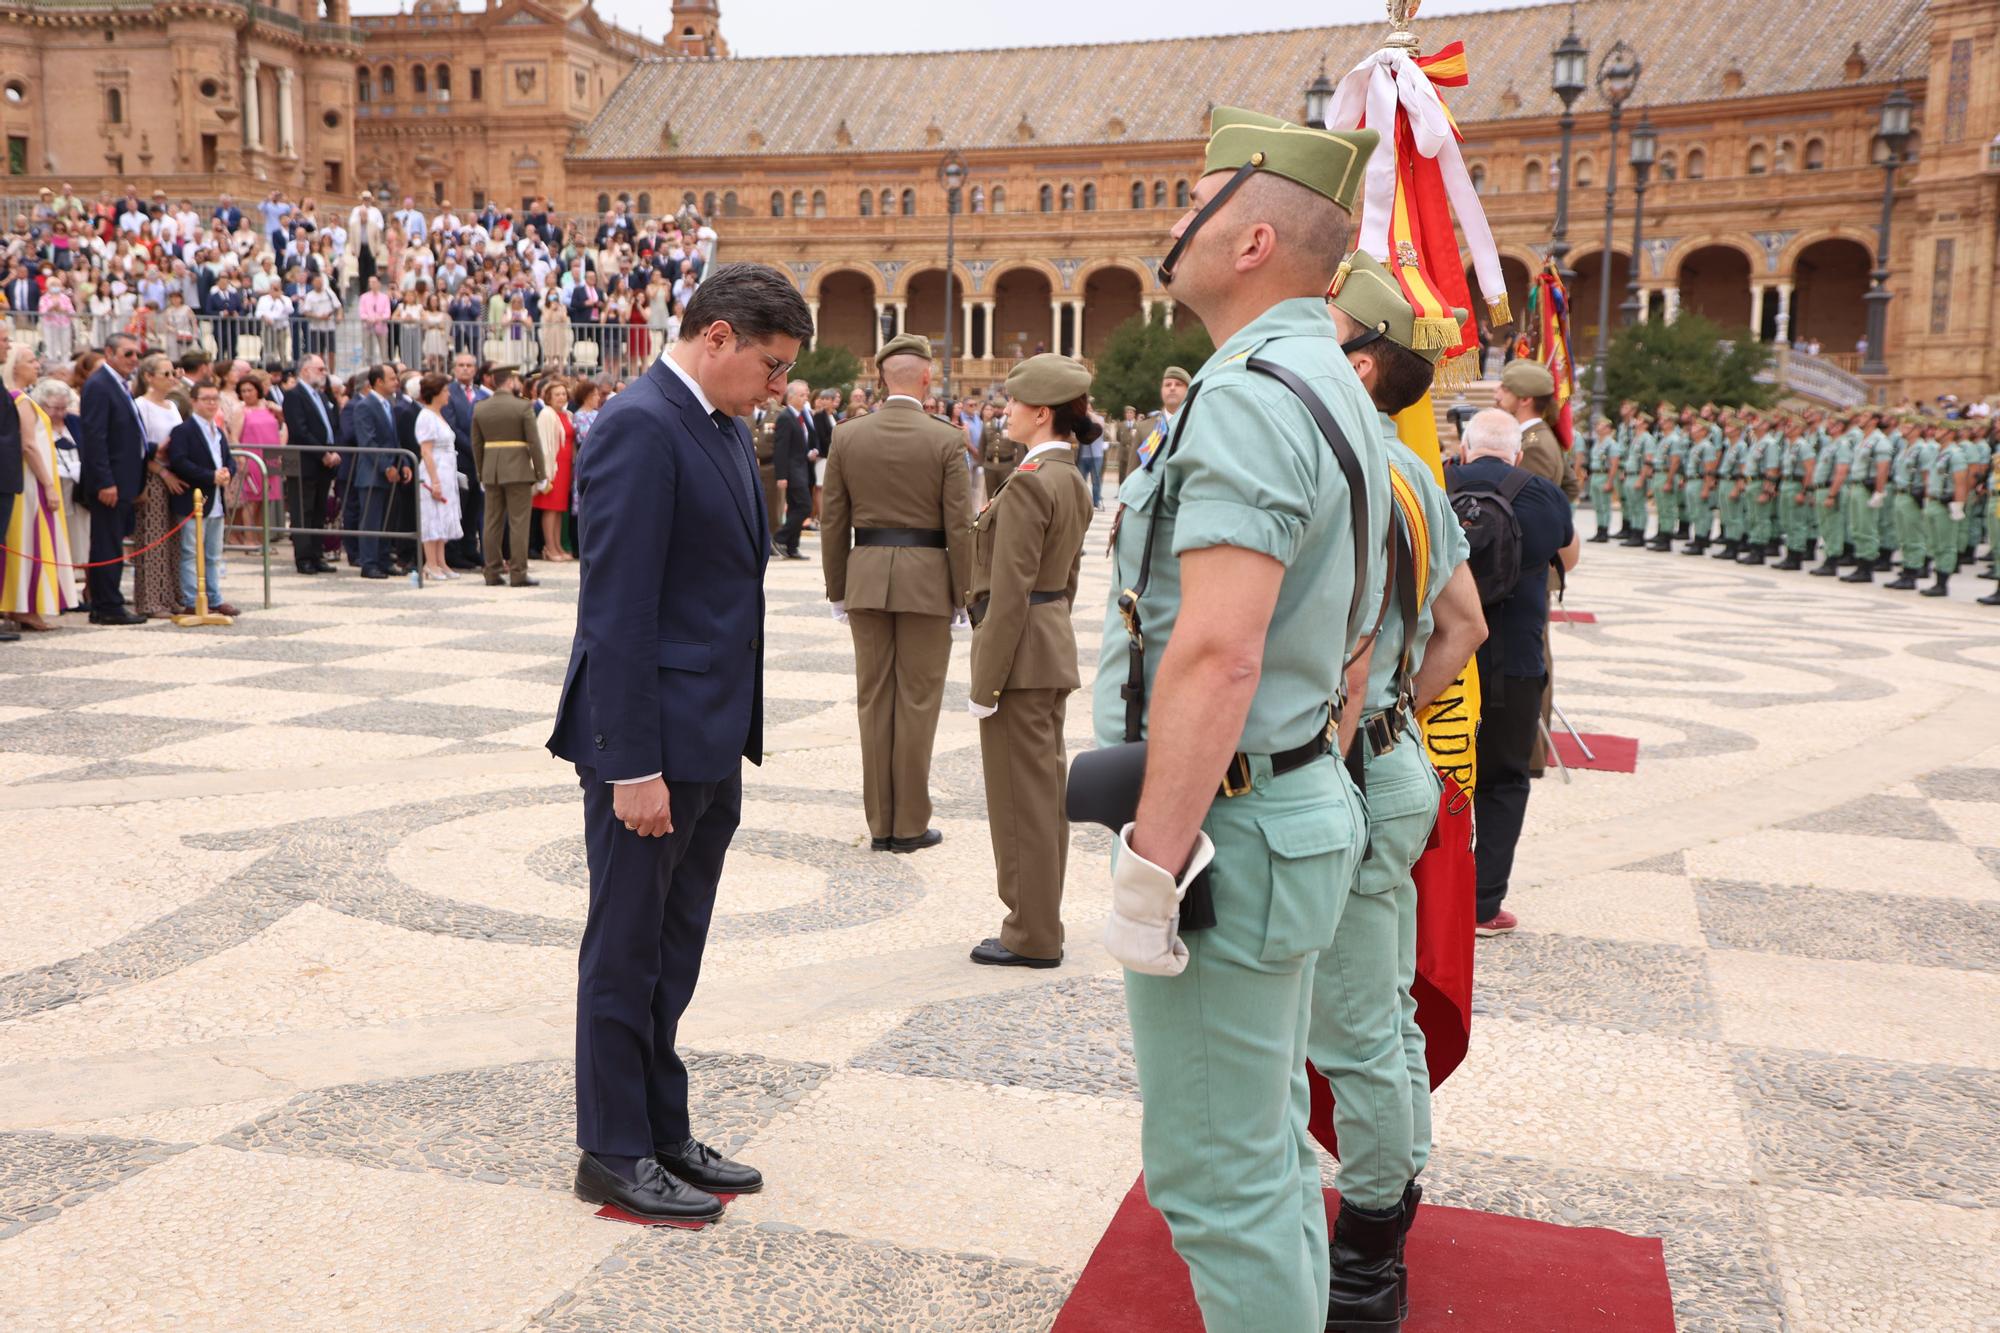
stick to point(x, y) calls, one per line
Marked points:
point(1029, 539)
point(999, 454)
point(1541, 455)
point(506, 446)
point(897, 468)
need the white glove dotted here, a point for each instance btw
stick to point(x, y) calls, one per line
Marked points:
point(961, 619)
point(840, 612)
point(1957, 512)
point(980, 710)
point(1143, 930)
point(544, 487)
point(1875, 501)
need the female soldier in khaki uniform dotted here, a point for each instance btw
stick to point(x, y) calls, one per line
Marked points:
point(1027, 546)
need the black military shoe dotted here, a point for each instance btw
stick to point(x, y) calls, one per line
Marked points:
point(995, 954)
point(705, 1168)
point(1754, 556)
point(1883, 563)
point(1729, 551)
point(1827, 569)
point(1861, 573)
point(1938, 589)
point(1603, 535)
point(1363, 1296)
point(1990, 599)
point(1903, 582)
point(1695, 547)
point(1681, 530)
point(1792, 560)
point(654, 1197)
point(928, 838)
point(1633, 537)
point(1663, 542)
point(1413, 1194)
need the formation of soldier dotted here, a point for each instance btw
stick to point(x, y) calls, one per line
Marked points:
point(1865, 490)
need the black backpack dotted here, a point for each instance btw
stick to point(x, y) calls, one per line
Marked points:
point(1486, 512)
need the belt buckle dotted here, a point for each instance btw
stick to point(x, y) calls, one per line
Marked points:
point(1236, 779)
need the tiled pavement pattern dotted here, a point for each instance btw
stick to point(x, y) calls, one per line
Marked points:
point(287, 964)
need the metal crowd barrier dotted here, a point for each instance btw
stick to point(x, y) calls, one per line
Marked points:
point(266, 532)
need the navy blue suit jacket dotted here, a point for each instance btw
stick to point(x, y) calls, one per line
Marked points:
point(112, 448)
point(666, 674)
point(188, 458)
point(374, 428)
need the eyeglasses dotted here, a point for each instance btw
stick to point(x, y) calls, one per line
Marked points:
point(777, 369)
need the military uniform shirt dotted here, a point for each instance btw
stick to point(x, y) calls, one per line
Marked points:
point(1448, 550)
point(1604, 456)
point(1831, 455)
point(1639, 453)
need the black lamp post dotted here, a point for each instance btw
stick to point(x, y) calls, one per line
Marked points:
point(1645, 146)
point(1894, 135)
point(952, 173)
point(1617, 77)
point(1319, 97)
point(1569, 76)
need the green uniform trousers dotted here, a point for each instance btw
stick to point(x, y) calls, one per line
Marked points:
point(1221, 1051)
point(1699, 513)
point(1833, 520)
point(1667, 500)
point(1798, 515)
point(1910, 534)
point(1632, 501)
point(1993, 526)
point(1365, 1037)
point(1863, 527)
point(1600, 500)
point(1946, 535)
point(1760, 516)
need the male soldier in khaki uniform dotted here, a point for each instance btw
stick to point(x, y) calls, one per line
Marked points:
point(1029, 544)
point(506, 451)
point(999, 455)
point(897, 482)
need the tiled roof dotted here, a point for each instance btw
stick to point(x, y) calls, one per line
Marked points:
point(1137, 92)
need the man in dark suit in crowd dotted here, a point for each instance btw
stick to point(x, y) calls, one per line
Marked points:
point(403, 495)
point(198, 453)
point(112, 453)
point(585, 302)
point(309, 424)
point(228, 213)
point(794, 449)
point(375, 473)
point(24, 294)
point(663, 701)
point(225, 308)
point(463, 396)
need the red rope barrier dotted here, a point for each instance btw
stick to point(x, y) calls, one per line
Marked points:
point(100, 564)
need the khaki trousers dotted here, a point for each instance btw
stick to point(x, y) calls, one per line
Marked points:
point(508, 508)
point(1021, 748)
point(899, 666)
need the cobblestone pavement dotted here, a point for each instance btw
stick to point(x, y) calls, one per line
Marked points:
point(287, 963)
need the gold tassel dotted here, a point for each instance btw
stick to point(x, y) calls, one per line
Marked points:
point(1456, 371)
point(1498, 311)
point(1430, 332)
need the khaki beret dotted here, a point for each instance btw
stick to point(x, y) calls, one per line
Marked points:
point(1048, 380)
point(904, 344)
point(1176, 373)
point(1327, 162)
point(1525, 378)
point(1370, 296)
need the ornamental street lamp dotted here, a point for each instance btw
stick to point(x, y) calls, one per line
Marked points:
point(1319, 97)
point(1894, 135)
point(1645, 146)
point(1617, 77)
point(1571, 70)
point(952, 173)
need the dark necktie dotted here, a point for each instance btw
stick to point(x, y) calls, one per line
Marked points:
point(746, 475)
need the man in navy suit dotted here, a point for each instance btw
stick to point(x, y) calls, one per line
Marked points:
point(309, 424)
point(663, 700)
point(458, 405)
point(375, 473)
point(113, 457)
point(794, 450)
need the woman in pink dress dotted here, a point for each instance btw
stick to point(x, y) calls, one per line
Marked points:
point(262, 424)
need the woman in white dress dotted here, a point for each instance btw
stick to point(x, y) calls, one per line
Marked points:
point(437, 497)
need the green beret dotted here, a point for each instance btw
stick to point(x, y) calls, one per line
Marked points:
point(1527, 379)
point(910, 344)
point(1176, 373)
point(1048, 380)
point(1327, 162)
point(1370, 296)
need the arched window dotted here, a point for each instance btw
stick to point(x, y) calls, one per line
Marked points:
point(687, 197)
point(729, 203)
point(444, 83)
point(1478, 174)
point(777, 204)
point(1758, 160)
point(625, 198)
point(1586, 171)
point(979, 198)
point(999, 199)
point(114, 106)
point(1048, 200)
point(888, 203)
point(1533, 178)
point(1670, 166)
point(867, 203)
point(387, 82)
point(364, 85)
point(1180, 194)
point(799, 203)
point(603, 202)
point(1138, 194)
point(1697, 164)
point(909, 203)
point(1068, 197)
point(417, 79)
point(645, 203)
point(1815, 155)
point(1090, 198)
point(707, 204)
point(1159, 194)
point(819, 203)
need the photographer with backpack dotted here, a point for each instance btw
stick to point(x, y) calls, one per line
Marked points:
point(1516, 525)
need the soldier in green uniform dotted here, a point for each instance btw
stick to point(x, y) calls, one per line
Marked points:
point(1979, 458)
point(1173, 392)
point(1947, 483)
point(1866, 496)
point(509, 461)
point(1636, 461)
point(1240, 624)
point(1797, 512)
point(1701, 498)
point(1601, 462)
point(1668, 457)
point(1830, 472)
point(1365, 1037)
point(1762, 468)
point(1731, 505)
point(1907, 479)
point(1027, 549)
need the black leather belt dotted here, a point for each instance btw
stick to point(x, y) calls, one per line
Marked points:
point(977, 611)
point(900, 537)
point(1382, 730)
point(1237, 781)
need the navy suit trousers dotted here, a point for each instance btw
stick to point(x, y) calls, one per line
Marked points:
point(107, 544)
point(374, 517)
point(650, 903)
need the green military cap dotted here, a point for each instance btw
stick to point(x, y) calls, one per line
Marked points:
point(1176, 373)
point(904, 344)
point(1526, 378)
point(1370, 296)
point(1048, 380)
point(1327, 162)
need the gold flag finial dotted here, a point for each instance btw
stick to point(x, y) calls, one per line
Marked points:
point(1400, 36)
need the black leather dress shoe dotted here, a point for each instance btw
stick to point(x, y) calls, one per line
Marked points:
point(367, 573)
point(8, 635)
point(308, 569)
point(117, 616)
point(705, 1168)
point(322, 567)
point(995, 954)
point(655, 1196)
point(879, 844)
point(928, 838)
point(524, 582)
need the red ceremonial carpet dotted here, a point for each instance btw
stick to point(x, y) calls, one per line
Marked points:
point(1609, 754)
point(1559, 617)
point(1468, 1271)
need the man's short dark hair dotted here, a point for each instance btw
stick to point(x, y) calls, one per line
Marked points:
point(190, 362)
point(755, 300)
point(1402, 377)
point(377, 373)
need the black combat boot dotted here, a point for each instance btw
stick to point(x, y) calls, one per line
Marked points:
point(1681, 531)
point(1413, 1194)
point(1828, 567)
point(1756, 555)
point(1362, 1291)
point(1603, 534)
point(1633, 537)
point(1662, 541)
point(1861, 573)
point(1990, 599)
point(1731, 550)
point(1883, 563)
point(1903, 582)
point(1938, 589)
point(1794, 559)
point(1695, 546)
